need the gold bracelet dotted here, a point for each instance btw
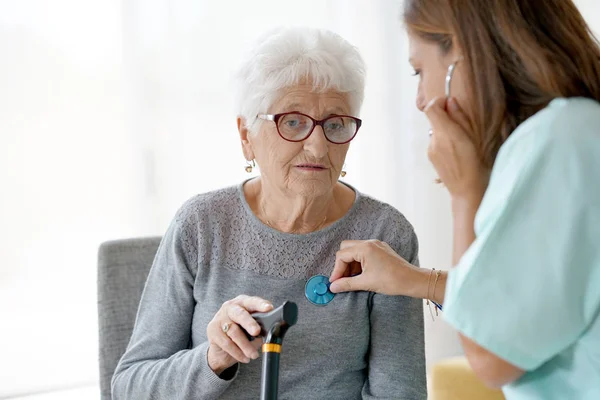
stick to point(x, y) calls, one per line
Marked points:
point(437, 277)
point(428, 288)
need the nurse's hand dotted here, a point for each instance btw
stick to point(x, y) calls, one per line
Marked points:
point(372, 265)
point(228, 342)
point(452, 151)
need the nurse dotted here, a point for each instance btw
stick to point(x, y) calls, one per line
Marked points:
point(511, 90)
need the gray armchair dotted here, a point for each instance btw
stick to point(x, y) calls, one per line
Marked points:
point(123, 267)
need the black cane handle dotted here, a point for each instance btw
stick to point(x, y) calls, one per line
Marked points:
point(273, 326)
point(275, 323)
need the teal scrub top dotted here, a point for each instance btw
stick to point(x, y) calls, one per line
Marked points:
point(528, 288)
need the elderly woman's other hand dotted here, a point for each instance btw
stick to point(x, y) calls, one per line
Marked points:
point(228, 342)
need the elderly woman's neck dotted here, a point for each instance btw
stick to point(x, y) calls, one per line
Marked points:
point(296, 213)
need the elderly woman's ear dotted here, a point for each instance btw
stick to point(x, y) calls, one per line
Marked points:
point(246, 145)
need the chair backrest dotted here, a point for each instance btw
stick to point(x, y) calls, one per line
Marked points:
point(123, 267)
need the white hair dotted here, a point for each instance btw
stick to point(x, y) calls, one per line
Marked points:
point(287, 57)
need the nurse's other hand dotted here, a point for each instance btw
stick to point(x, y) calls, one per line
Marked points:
point(372, 265)
point(228, 342)
point(452, 151)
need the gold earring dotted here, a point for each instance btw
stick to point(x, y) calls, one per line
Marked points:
point(249, 166)
point(343, 173)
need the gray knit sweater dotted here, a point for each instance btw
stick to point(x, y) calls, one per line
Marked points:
point(360, 346)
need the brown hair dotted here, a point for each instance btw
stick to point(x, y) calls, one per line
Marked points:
point(519, 54)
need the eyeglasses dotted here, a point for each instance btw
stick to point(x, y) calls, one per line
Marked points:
point(296, 127)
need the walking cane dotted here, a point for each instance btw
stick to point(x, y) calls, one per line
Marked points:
point(273, 326)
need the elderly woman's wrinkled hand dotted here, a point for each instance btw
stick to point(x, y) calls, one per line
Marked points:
point(452, 152)
point(228, 342)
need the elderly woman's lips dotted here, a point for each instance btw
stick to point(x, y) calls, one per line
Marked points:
point(311, 167)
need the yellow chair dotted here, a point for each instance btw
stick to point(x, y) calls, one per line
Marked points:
point(453, 379)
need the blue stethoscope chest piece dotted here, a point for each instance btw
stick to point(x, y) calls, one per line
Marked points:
point(317, 290)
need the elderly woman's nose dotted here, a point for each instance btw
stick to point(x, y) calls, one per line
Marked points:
point(316, 143)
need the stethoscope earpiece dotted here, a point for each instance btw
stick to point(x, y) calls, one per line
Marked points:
point(449, 75)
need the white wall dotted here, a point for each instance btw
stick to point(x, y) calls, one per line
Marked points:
point(69, 178)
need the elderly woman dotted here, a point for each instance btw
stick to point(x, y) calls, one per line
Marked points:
point(243, 249)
